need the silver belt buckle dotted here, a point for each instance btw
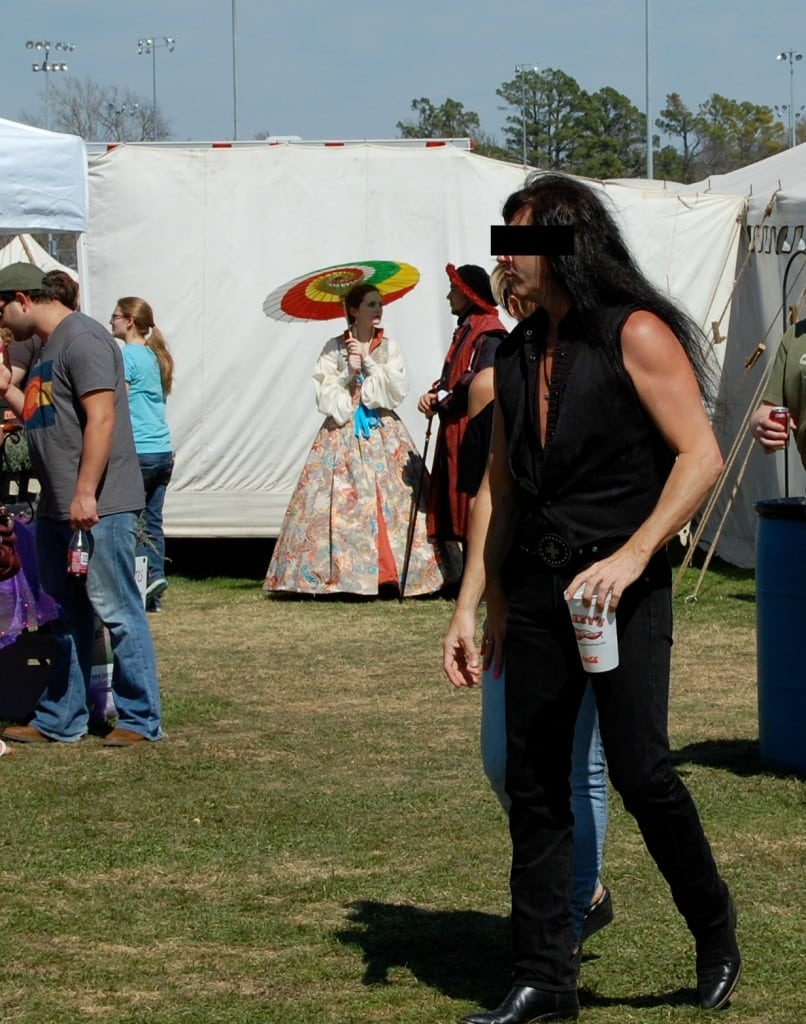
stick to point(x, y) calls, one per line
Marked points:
point(554, 550)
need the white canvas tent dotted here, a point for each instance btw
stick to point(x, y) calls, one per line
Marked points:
point(773, 231)
point(25, 249)
point(43, 186)
point(204, 234)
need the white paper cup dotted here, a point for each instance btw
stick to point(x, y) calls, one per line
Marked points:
point(596, 635)
point(3, 749)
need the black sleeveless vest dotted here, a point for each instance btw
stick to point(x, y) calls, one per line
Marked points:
point(604, 463)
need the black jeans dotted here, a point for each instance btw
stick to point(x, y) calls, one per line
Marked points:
point(545, 681)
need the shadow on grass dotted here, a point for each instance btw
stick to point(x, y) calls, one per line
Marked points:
point(738, 756)
point(742, 757)
point(463, 954)
point(435, 945)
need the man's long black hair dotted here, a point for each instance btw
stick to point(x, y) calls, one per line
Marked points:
point(601, 273)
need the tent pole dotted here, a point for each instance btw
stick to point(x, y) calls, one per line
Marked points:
point(719, 486)
point(27, 248)
point(718, 533)
point(83, 273)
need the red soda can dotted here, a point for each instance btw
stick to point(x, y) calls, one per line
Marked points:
point(780, 414)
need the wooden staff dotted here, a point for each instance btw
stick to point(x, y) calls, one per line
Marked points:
point(416, 496)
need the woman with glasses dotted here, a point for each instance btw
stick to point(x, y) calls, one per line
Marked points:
point(149, 377)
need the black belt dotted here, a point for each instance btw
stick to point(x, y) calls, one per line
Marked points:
point(554, 552)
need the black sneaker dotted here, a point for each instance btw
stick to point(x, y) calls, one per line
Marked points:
point(597, 915)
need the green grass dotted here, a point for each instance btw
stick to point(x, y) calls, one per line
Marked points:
point(315, 842)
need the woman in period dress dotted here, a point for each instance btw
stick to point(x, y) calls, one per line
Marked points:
point(346, 524)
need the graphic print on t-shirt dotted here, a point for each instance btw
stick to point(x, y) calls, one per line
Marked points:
point(38, 411)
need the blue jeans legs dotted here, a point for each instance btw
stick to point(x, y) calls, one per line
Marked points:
point(157, 470)
point(110, 592)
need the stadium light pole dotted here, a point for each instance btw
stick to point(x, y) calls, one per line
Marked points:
point(782, 112)
point(46, 65)
point(520, 69)
point(791, 56)
point(149, 46)
point(650, 170)
point(117, 116)
point(235, 70)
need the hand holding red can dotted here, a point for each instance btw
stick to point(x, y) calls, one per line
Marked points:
point(780, 414)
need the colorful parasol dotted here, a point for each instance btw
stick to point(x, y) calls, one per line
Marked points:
point(318, 296)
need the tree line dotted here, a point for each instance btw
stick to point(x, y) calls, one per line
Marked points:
point(559, 126)
point(98, 113)
point(550, 120)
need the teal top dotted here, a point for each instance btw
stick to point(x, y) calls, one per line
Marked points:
point(146, 400)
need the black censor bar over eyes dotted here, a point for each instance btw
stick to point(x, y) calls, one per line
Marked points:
point(531, 240)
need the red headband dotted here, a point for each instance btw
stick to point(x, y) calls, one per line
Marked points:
point(465, 289)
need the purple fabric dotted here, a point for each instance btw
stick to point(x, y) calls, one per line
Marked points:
point(23, 602)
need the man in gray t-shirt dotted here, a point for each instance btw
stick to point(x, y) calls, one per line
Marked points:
point(80, 358)
point(75, 413)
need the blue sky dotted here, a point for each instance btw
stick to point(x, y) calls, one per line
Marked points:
point(328, 70)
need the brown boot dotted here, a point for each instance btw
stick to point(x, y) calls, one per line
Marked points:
point(24, 734)
point(123, 738)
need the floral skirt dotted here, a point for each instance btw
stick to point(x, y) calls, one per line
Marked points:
point(349, 515)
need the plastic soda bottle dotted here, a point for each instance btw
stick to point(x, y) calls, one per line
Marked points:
point(78, 554)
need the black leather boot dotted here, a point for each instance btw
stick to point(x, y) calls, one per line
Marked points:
point(719, 965)
point(524, 1005)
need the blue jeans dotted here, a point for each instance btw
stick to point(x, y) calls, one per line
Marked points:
point(588, 785)
point(156, 470)
point(545, 684)
point(110, 592)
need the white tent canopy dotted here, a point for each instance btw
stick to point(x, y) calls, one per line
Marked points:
point(43, 187)
point(782, 172)
point(43, 180)
point(204, 234)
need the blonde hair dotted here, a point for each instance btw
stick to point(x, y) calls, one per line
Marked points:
point(143, 316)
point(517, 308)
point(498, 286)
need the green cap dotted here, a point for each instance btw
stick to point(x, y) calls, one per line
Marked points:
point(21, 277)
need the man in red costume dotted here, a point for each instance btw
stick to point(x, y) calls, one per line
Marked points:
point(473, 349)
